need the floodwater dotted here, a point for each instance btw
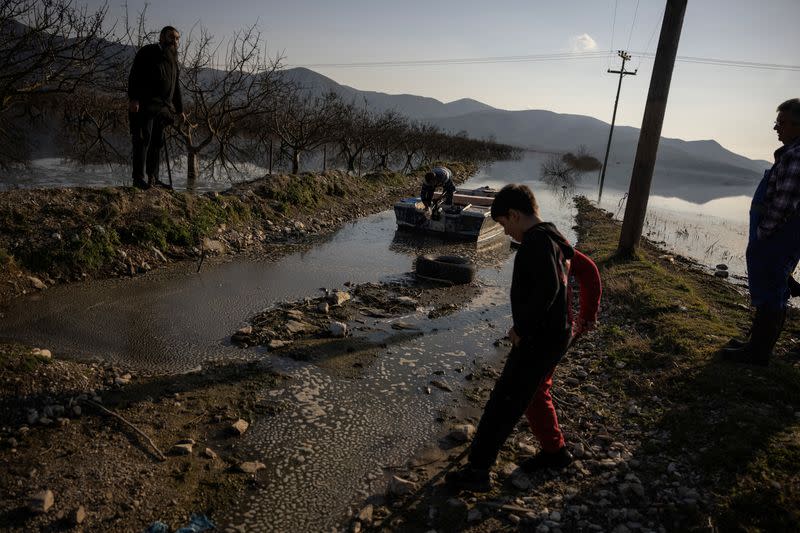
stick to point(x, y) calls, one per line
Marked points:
point(336, 438)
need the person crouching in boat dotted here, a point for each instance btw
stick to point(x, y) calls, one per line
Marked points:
point(438, 177)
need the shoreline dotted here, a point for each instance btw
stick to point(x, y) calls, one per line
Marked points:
point(55, 236)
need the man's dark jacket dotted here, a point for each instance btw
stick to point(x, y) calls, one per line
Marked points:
point(153, 81)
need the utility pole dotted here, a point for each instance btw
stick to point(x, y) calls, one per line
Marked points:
point(650, 133)
point(622, 72)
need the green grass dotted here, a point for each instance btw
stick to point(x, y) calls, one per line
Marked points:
point(14, 357)
point(667, 323)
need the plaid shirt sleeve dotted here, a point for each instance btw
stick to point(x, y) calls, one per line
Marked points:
point(783, 192)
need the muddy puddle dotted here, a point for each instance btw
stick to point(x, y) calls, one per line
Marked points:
point(342, 422)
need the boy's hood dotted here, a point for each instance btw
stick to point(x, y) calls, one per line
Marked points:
point(550, 229)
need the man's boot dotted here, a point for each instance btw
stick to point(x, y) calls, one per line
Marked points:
point(767, 326)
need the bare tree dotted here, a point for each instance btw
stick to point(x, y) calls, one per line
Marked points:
point(387, 136)
point(95, 127)
point(557, 173)
point(353, 134)
point(582, 161)
point(47, 48)
point(221, 103)
point(304, 122)
point(412, 143)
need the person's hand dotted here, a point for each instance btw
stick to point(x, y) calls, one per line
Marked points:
point(133, 106)
point(512, 335)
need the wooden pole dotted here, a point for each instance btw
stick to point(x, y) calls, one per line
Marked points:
point(642, 175)
point(622, 72)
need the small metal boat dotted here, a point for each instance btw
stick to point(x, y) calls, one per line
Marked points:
point(468, 219)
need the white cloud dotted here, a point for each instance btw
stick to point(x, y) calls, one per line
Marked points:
point(583, 43)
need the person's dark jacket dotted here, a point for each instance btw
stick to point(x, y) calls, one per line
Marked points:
point(153, 81)
point(539, 286)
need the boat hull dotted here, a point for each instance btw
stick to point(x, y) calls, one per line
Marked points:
point(470, 223)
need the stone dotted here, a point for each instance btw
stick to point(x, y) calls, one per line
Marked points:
point(365, 515)
point(474, 515)
point(400, 487)
point(246, 330)
point(43, 353)
point(722, 266)
point(338, 297)
point(323, 308)
point(400, 325)
point(213, 246)
point(721, 274)
point(208, 453)
point(555, 516)
point(250, 467)
point(37, 283)
point(453, 512)
point(78, 515)
point(294, 327)
point(578, 451)
point(441, 385)
point(462, 433)
point(181, 449)
point(274, 344)
point(521, 481)
point(337, 329)
point(405, 300)
point(41, 502)
point(239, 427)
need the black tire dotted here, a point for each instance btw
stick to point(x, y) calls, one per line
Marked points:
point(452, 268)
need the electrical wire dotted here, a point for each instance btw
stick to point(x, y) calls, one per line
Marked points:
point(633, 24)
point(613, 27)
point(653, 34)
point(562, 56)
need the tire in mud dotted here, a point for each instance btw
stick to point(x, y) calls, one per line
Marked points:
point(453, 268)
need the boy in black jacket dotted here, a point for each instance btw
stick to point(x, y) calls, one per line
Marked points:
point(540, 334)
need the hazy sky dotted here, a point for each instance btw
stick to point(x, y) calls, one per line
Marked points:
point(734, 105)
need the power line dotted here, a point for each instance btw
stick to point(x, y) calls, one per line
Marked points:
point(561, 56)
point(633, 24)
point(550, 57)
point(613, 27)
point(653, 34)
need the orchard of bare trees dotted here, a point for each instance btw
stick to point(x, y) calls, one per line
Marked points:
point(65, 71)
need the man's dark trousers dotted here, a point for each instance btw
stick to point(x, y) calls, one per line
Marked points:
point(525, 370)
point(147, 133)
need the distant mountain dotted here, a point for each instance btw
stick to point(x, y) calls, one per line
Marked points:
point(680, 167)
point(416, 107)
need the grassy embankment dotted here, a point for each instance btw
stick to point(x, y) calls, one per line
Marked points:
point(738, 426)
point(68, 234)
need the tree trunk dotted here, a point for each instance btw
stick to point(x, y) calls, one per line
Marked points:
point(192, 168)
point(295, 161)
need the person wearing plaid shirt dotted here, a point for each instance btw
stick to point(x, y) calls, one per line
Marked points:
point(773, 250)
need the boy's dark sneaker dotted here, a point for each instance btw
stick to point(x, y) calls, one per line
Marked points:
point(557, 460)
point(139, 183)
point(469, 478)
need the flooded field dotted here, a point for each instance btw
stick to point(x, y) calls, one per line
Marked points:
point(336, 437)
